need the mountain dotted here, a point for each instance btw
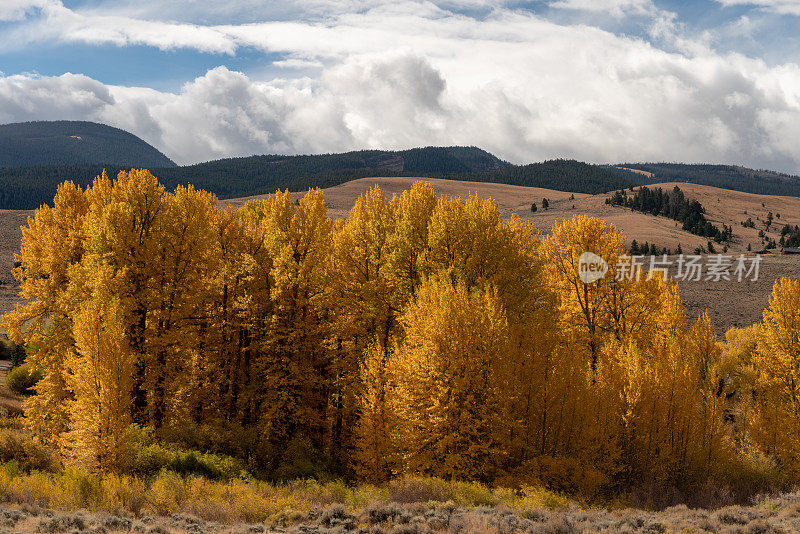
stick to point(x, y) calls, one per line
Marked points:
point(29, 187)
point(74, 142)
point(254, 175)
point(725, 176)
point(28, 178)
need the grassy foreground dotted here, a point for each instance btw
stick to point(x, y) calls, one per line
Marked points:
point(38, 494)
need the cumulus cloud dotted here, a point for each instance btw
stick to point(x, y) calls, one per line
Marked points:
point(405, 74)
point(69, 96)
point(648, 105)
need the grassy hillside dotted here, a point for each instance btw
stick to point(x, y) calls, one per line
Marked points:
point(74, 142)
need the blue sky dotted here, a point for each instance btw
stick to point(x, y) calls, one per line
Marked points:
point(598, 80)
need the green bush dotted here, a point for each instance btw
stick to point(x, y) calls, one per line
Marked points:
point(300, 459)
point(150, 457)
point(22, 379)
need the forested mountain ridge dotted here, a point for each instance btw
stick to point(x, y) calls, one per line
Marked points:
point(74, 142)
point(29, 187)
point(36, 157)
point(738, 178)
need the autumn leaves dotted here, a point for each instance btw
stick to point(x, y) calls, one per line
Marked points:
point(420, 334)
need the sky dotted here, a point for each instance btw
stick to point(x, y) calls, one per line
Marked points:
point(602, 81)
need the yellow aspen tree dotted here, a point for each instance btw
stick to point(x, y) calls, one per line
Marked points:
point(777, 361)
point(529, 376)
point(464, 236)
point(779, 344)
point(240, 312)
point(361, 260)
point(161, 244)
point(121, 228)
point(99, 375)
point(671, 426)
point(362, 307)
point(624, 301)
point(293, 357)
point(408, 242)
point(470, 242)
point(703, 347)
point(741, 386)
point(375, 452)
point(184, 260)
point(447, 392)
point(583, 306)
point(52, 243)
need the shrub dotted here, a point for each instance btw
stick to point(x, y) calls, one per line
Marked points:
point(119, 494)
point(560, 474)
point(473, 494)
point(62, 523)
point(533, 500)
point(382, 512)
point(211, 466)
point(335, 492)
point(300, 459)
point(29, 454)
point(21, 379)
point(149, 458)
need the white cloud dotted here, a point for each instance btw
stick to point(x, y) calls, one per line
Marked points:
point(404, 74)
point(294, 63)
point(66, 25)
point(69, 96)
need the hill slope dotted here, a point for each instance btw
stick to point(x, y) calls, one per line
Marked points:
point(82, 150)
point(74, 142)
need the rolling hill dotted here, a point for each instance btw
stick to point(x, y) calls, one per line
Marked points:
point(74, 142)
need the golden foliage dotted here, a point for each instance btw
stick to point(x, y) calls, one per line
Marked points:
point(419, 335)
point(447, 374)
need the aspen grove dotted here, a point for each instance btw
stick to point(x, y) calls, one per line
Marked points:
point(419, 335)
